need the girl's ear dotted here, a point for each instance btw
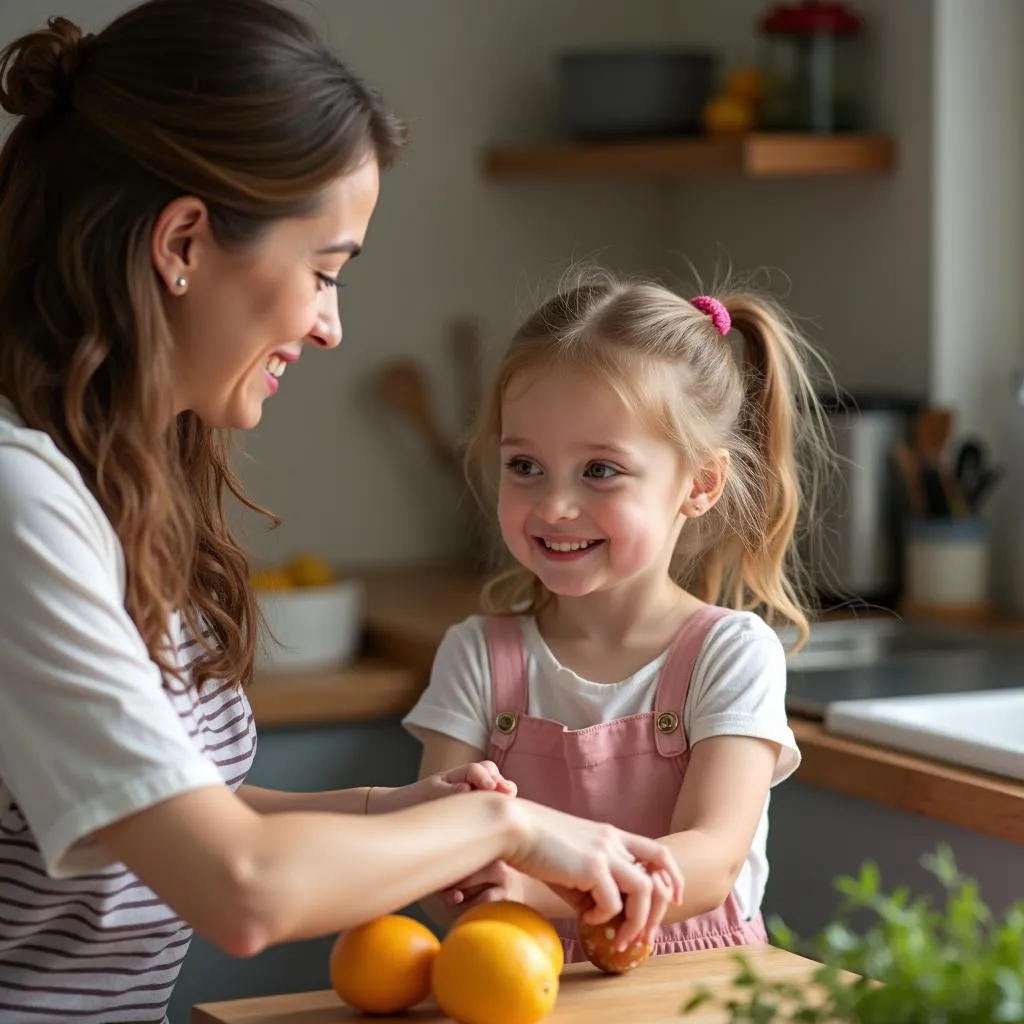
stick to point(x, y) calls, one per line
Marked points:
point(707, 486)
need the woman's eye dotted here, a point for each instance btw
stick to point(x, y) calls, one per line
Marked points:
point(522, 467)
point(602, 471)
point(326, 281)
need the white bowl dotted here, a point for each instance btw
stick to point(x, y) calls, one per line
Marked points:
point(310, 628)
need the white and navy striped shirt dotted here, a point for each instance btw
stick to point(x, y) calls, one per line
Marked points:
point(89, 733)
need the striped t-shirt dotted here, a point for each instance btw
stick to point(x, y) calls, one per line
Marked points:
point(89, 733)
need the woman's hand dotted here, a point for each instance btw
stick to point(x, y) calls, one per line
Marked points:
point(598, 869)
point(481, 775)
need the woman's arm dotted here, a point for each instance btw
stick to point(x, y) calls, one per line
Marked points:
point(461, 778)
point(333, 801)
point(246, 880)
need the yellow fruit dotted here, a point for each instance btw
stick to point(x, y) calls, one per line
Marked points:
point(272, 579)
point(745, 84)
point(384, 966)
point(535, 924)
point(491, 972)
point(310, 571)
point(598, 944)
point(728, 115)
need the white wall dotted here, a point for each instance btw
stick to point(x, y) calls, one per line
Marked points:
point(443, 243)
point(851, 255)
point(908, 281)
point(978, 210)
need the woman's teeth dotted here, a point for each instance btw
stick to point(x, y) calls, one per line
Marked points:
point(570, 545)
point(275, 366)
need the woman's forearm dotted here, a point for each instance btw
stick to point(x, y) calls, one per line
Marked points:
point(307, 872)
point(246, 880)
point(335, 801)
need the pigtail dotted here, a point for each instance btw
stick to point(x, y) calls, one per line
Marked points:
point(780, 462)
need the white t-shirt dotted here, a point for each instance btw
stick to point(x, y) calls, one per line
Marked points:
point(90, 733)
point(738, 688)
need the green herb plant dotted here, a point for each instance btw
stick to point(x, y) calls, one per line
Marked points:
point(912, 964)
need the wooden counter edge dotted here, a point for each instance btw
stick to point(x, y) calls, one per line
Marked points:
point(365, 690)
point(988, 804)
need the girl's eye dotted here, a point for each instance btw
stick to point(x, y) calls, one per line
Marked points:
point(522, 467)
point(602, 471)
point(326, 281)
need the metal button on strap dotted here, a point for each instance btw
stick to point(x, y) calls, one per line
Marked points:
point(668, 721)
point(505, 721)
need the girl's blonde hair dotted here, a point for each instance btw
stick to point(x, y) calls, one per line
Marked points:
point(758, 403)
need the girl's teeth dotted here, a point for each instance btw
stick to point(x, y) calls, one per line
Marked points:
point(568, 545)
point(275, 366)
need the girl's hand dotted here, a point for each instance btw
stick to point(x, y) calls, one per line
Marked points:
point(597, 869)
point(495, 882)
point(483, 775)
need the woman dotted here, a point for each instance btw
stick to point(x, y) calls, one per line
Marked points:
point(177, 201)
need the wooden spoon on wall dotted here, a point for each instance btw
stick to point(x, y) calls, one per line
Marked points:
point(403, 386)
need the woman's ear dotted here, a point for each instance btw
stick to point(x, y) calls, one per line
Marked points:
point(707, 486)
point(180, 230)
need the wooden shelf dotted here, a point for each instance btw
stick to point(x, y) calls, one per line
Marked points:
point(752, 156)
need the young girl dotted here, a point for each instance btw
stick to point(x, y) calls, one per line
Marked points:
point(648, 491)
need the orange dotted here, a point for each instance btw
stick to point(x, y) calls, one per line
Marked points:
point(540, 929)
point(745, 84)
point(491, 972)
point(728, 115)
point(384, 966)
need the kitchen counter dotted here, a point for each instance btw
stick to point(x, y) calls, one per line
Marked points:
point(408, 611)
point(653, 993)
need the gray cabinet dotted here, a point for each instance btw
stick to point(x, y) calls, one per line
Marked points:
point(816, 834)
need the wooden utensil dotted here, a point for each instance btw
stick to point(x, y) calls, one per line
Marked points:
point(403, 386)
point(932, 430)
point(910, 470)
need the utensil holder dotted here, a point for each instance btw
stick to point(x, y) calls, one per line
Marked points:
point(946, 569)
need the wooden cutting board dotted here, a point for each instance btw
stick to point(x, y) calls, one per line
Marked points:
point(653, 994)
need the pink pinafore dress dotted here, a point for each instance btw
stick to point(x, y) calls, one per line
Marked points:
point(627, 772)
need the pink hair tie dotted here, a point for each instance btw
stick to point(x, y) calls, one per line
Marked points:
point(714, 309)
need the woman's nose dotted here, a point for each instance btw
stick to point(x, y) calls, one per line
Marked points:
point(327, 329)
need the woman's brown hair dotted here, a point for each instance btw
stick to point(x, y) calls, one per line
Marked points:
point(237, 102)
point(669, 365)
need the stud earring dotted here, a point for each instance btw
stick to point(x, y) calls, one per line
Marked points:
point(180, 283)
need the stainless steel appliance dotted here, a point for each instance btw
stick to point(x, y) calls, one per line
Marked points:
point(857, 551)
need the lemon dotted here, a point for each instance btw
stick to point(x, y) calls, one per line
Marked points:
point(307, 570)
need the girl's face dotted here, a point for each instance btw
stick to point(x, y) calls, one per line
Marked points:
point(246, 315)
point(589, 499)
